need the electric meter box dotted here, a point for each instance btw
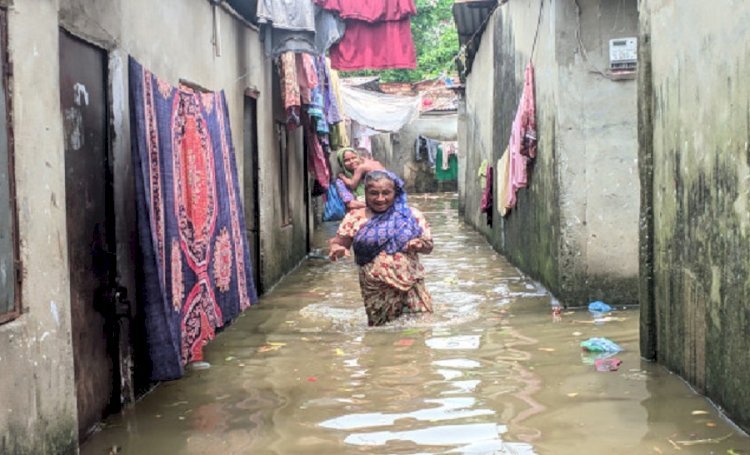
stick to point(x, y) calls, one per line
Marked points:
point(623, 54)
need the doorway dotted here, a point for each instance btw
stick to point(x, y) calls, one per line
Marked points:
point(251, 174)
point(90, 215)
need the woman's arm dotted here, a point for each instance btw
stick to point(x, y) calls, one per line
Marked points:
point(355, 204)
point(353, 182)
point(422, 244)
point(339, 247)
point(340, 244)
point(350, 200)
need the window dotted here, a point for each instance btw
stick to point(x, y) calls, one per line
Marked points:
point(9, 289)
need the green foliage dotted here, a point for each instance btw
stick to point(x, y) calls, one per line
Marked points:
point(436, 41)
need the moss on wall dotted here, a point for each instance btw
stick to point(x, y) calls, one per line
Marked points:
point(698, 118)
point(59, 437)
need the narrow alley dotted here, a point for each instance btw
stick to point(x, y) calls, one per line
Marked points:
point(490, 371)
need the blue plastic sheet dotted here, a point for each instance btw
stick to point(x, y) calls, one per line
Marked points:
point(600, 345)
point(599, 307)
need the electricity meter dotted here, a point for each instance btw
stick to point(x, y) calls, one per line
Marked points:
point(623, 54)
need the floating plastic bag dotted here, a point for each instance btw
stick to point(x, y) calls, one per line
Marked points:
point(600, 345)
point(334, 208)
point(599, 307)
point(608, 364)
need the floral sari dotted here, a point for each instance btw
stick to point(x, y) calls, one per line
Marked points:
point(391, 280)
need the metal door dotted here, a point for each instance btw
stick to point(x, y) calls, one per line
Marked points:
point(252, 207)
point(88, 202)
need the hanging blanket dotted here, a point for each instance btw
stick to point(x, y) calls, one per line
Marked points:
point(380, 11)
point(375, 46)
point(196, 269)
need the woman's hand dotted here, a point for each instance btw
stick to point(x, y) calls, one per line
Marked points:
point(337, 251)
point(415, 246)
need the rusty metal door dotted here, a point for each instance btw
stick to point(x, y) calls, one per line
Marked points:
point(252, 207)
point(88, 202)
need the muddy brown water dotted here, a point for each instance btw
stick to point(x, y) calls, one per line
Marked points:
point(490, 372)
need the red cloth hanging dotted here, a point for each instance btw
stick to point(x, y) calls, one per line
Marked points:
point(377, 46)
point(523, 142)
point(379, 11)
point(316, 157)
point(527, 112)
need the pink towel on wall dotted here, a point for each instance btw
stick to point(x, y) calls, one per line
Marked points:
point(523, 142)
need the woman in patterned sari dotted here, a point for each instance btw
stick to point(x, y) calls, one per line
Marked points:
point(349, 160)
point(386, 236)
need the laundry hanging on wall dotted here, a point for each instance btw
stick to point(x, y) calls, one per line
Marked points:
point(426, 148)
point(450, 150)
point(503, 174)
point(446, 169)
point(297, 26)
point(196, 271)
point(523, 139)
point(287, 26)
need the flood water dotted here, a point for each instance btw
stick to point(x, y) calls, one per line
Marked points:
point(489, 372)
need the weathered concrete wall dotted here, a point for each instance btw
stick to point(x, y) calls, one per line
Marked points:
point(565, 230)
point(597, 148)
point(37, 389)
point(699, 122)
point(476, 144)
point(173, 39)
point(397, 151)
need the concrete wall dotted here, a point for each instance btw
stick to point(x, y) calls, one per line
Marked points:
point(173, 39)
point(597, 144)
point(397, 151)
point(37, 389)
point(695, 130)
point(476, 142)
point(576, 227)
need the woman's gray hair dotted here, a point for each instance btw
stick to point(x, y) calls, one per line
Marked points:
point(374, 176)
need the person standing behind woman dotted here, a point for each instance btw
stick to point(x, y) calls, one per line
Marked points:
point(349, 160)
point(366, 164)
point(387, 236)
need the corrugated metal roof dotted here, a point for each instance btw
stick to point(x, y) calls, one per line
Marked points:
point(371, 83)
point(246, 8)
point(471, 17)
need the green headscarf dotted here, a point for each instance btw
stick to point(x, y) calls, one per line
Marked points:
point(360, 191)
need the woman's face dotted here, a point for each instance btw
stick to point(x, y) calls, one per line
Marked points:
point(351, 161)
point(379, 195)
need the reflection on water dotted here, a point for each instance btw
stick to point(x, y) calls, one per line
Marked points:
point(489, 372)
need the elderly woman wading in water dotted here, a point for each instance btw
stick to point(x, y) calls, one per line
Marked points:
point(386, 236)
